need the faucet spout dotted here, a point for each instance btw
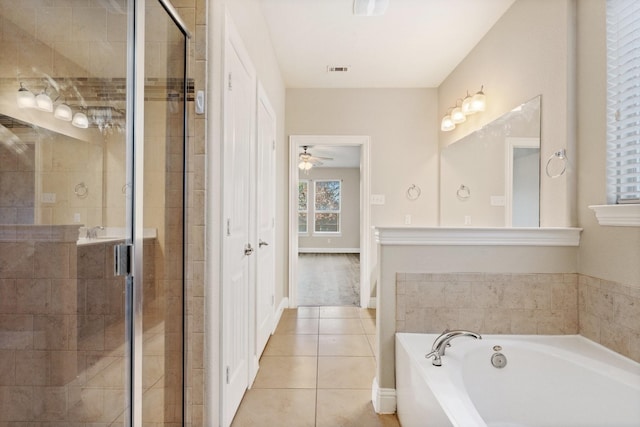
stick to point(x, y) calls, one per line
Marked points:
point(443, 341)
point(92, 233)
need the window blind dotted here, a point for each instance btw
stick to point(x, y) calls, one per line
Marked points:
point(623, 101)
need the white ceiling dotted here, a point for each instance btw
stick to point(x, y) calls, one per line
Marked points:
point(341, 156)
point(416, 43)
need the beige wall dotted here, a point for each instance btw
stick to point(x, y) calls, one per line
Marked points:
point(404, 143)
point(404, 150)
point(609, 253)
point(349, 237)
point(528, 52)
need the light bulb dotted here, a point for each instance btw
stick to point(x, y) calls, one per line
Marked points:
point(80, 120)
point(25, 98)
point(479, 102)
point(467, 105)
point(457, 116)
point(44, 102)
point(63, 112)
point(447, 124)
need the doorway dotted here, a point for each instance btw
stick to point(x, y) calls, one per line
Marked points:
point(304, 224)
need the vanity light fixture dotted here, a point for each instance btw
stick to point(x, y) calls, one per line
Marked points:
point(467, 105)
point(447, 124)
point(25, 98)
point(479, 102)
point(80, 120)
point(43, 101)
point(457, 116)
point(63, 112)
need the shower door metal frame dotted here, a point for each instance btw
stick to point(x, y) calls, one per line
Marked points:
point(135, 202)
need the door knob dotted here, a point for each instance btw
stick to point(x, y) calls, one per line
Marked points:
point(248, 250)
point(262, 243)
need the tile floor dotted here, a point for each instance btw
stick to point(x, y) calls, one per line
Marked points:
point(317, 371)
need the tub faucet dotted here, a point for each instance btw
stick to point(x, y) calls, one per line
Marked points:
point(442, 342)
point(92, 233)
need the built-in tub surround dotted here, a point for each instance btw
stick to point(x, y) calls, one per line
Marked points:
point(609, 314)
point(507, 280)
point(492, 303)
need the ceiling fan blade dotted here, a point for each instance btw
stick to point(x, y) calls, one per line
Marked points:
point(321, 158)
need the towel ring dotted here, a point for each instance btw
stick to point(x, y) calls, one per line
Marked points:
point(560, 155)
point(463, 192)
point(81, 190)
point(413, 192)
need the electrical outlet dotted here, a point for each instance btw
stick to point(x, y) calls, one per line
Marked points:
point(467, 220)
point(407, 219)
point(76, 217)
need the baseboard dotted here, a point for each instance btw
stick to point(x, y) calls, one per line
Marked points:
point(372, 302)
point(284, 303)
point(254, 370)
point(384, 399)
point(328, 250)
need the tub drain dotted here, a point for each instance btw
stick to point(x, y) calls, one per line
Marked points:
point(498, 360)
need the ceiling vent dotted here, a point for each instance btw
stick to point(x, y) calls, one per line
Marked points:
point(342, 69)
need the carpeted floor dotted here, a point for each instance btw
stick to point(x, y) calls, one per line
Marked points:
point(329, 279)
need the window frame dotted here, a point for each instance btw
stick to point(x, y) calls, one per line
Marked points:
point(306, 210)
point(316, 211)
point(615, 213)
point(623, 102)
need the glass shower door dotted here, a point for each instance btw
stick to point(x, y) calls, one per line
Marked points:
point(63, 102)
point(164, 206)
point(80, 346)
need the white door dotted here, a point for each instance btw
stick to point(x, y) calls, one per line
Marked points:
point(239, 115)
point(265, 274)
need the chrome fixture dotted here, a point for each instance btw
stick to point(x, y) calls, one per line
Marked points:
point(92, 233)
point(442, 342)
point(25, 98)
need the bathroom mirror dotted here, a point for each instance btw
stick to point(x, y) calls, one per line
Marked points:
point(49, 178)
point(491, 177)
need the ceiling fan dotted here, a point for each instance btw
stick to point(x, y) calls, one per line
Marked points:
point(308, 160)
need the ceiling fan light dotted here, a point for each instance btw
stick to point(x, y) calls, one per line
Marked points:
point(63, 112)
point(305, 165)
point(80, 120)
point(25, 98)
point(370, 7)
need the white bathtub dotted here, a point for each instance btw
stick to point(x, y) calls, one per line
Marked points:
point(559, 381)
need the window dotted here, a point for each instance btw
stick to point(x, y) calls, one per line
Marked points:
point(623, 101)
point(303, 206)
point(327, 206)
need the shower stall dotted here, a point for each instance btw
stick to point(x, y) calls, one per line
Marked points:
point(92, 212)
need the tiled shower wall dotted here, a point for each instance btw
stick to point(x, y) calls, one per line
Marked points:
point(541, 303)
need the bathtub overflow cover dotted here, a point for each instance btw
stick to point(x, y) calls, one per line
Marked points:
point(498, 360)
